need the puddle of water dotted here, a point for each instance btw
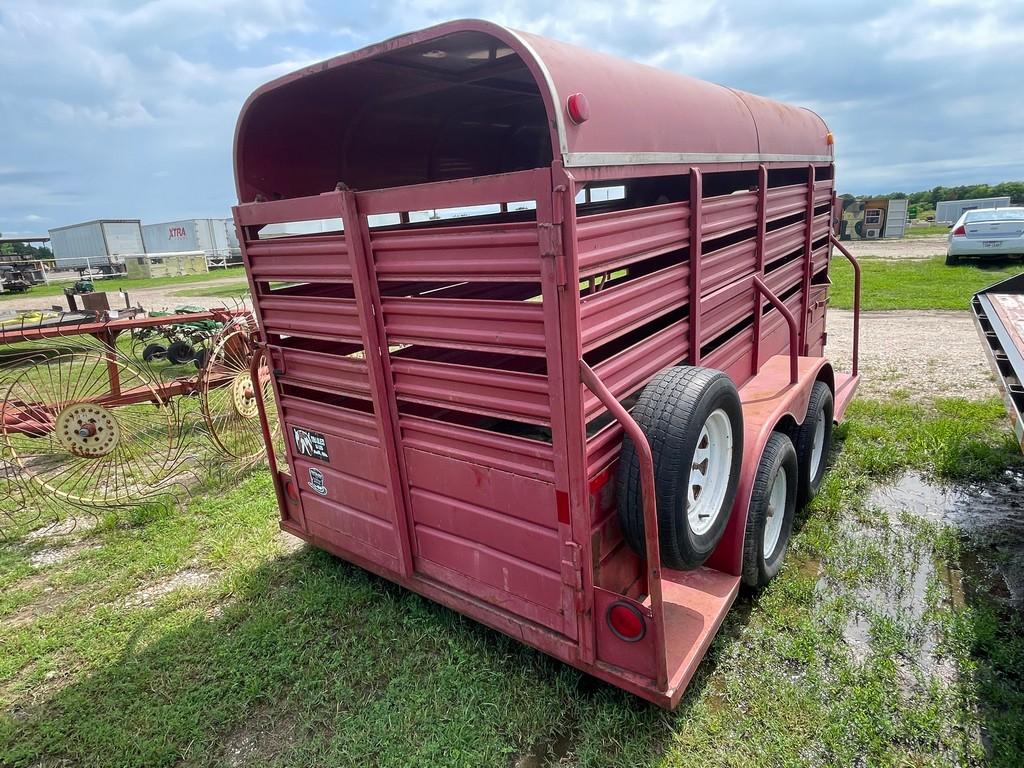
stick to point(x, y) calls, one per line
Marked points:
point(546, 753)
point(990, 515)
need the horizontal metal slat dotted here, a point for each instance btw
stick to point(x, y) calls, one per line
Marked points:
point(313, 317)
point(324, 417)
point(503, 533)
point(627, 371)
point(618, 309)
point(299, 259)
point(517, 455)
point(497, 252)
point(820, 227)
point(487, 391)
point(336, 373)
point(721, 267)
point(503, 326)
point(726, 214)
point(726, 307)
point(607, 241)
point(785, 201)
point(785, 277)
point(312, 208)
point(784, 240)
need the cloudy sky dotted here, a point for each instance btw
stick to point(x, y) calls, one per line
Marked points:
point(126, 109)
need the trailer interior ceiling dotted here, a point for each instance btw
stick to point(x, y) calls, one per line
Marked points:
point(459, 106)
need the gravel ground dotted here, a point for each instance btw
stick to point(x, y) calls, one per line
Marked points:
point(925, 354)
point(908, 248)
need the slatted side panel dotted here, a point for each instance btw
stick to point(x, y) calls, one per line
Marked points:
point(728, 261)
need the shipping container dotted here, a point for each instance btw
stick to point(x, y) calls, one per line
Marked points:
point(216, 238)
point(100, 245)
point(948, 211)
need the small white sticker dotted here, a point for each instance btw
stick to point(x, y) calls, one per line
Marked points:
point(316, 481)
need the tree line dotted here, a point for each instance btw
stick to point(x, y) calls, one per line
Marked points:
point(929, 197)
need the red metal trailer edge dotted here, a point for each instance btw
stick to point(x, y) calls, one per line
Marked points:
point(453, 405)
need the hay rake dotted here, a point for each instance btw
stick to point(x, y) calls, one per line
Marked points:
point(85, 423)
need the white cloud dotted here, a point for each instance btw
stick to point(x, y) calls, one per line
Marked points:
point(127, 108)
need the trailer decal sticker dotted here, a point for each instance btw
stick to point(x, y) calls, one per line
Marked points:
point(316, 481)
point(312, 444)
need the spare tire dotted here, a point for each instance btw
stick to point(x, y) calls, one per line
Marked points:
point(694, 423)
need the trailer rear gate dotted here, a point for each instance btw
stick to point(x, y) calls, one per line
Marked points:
point(428, 374)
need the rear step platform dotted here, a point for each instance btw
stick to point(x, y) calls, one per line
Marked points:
point(695, 604)
point(999, 317)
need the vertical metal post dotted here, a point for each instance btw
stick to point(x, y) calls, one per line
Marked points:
point(759, 258)
point(805, 286)
point(696, 231)
point(378, 364)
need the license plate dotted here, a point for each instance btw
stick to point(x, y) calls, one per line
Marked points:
point(991, 243)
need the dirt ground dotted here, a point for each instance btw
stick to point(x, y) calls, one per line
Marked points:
point(907, 248)
point(922, 353)
point(164, 297)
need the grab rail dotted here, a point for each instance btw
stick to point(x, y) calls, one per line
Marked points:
point(856, 298)
point(794, 334)
point(651, 539)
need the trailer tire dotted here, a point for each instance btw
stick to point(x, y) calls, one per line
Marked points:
point(771, 511)
point(812, 441)
point(683, 411)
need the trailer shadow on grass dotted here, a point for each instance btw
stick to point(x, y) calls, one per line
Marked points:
point(309, 660)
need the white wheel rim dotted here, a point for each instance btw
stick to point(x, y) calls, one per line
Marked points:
point(776, 513)
point(709, 472)
point(818, 445)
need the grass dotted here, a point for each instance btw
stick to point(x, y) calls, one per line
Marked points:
point(268, 655)
point(228, 291)
point(935, 229)
point(116, 284)
point(914, 284)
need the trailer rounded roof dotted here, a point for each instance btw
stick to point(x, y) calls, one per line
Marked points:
point(638, 114)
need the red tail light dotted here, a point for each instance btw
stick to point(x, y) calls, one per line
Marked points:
point(960, 231)
point(627, 622)
point(291, 491)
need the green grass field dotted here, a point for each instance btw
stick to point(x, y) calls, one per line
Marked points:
point(227, 291)
point(116, 284)
point(936, 229)
point(199, 637)
point(915, 284)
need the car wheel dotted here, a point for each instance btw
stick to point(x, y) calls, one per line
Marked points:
point(694, 423)
point(771, 512)
point(951, 260)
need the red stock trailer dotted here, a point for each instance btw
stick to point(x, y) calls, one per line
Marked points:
point(550, 350)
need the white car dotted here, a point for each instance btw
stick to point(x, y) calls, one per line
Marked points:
point(987, 232)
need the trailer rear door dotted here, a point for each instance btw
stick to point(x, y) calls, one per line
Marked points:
point(411, 367)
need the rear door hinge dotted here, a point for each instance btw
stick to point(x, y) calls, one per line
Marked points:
point(549, 238)
point(572, 573)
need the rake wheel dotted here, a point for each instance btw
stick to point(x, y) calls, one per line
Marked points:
point(71, 439)
point(230, 397)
